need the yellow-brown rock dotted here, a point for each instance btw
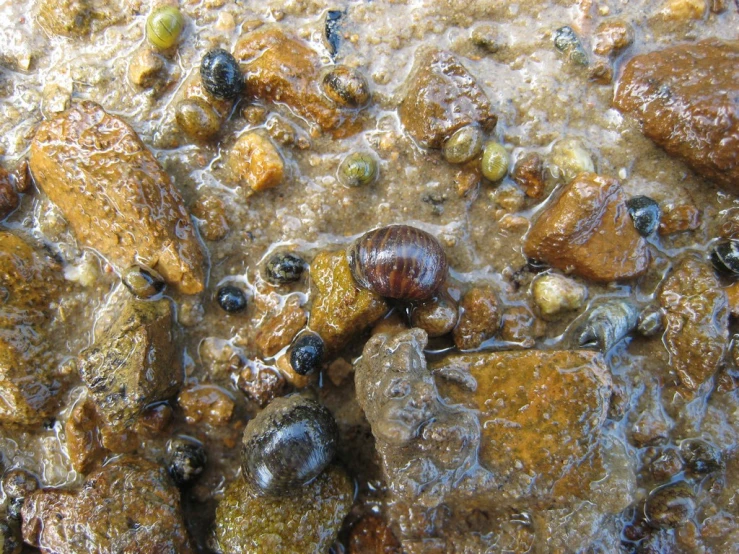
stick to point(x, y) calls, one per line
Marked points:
point(279, 330)
point(115, 194)
point(539, 411)
point(478, 318)
point(281, 68)
point(587, 231)
point(254, 161)
point(29, 283)
point(341, 308)
point(697, 315)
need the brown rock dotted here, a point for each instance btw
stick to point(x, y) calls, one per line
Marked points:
point(207, 403)
point(529, 174)
point(147, 69)
point(255, 161)
point(697, 315)
point(687, 99)
point(83, 439)
point(478, 318)
point(278, 331)
point(371, 535)
point(587, 230)
point(8, 196)
point(520, 325)
point(437, 316)
point(676, 219)
point(29, 284)
point(261, 383)
point(732, 294)
point(77, 18)
point(341, 309)
point(612, 37)
point(129, 505)
point(133, 363)
point(197, 119)
point(441, 97)
point(282, 68)
point(649, 425)
point(154, 420)
point(119, 200)
point(211, 213)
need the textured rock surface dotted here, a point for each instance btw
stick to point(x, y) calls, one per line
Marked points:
point(304, 523)
point(587, 230)
point(279, 67)
point(478, 318)
point(697, 315)
point(441, 97)
point(127, 506)
point(687, 99)
point(115, 195)
point(133, 363)
point(341, 309)
point(76, 18)
point(28, 286)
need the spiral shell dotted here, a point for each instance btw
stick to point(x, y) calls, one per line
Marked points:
point(608, 324)
point(164, 26)
point(398, 261)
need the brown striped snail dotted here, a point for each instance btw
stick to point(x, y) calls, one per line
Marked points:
point(398, 261)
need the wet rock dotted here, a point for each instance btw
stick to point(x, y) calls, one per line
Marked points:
point(371, 535)
point(685, 98)
point(118, 201)
point(304, 522)
point(612, 37)
point(77, 18)
point(442, 97)
point(9, 199)
point(437, 316)
point(29, 284)
point(129, 505)
point(211, 213)
point(587, 230)
point(518, 324)
point(147, 69)
point(682, 10)
point(649, 425)
point(478, 318)
point(206, 403)
point(197, 119)
point(341, 309)
point(133, 363)
point(278, 331)
point(677, 219)
point(255, 161)
point(260, 382)
point(553, 294)
point(665, 466)
point(697, 313)
point(84, 444)
point(529, 174)
point(281, 68)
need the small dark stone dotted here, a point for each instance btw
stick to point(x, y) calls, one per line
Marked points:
point(221, 75)
point(11, 538)
point(670, 506)
point(14, 508)
point(645, 213)
point(333, 34)
point(567, 41)
point(186, 459)
point(284, 267)
point(700, 456)
point(231, 299)
point(307, 354)
point(725, 256)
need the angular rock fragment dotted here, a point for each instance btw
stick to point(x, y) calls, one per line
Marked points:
point(29, 284)
point(587, 230)
point(129, 505)
point(77, 18)
point(686, 98)
point(441, 97)
point(478, 319)
point(306, 522)
point(256, 162)
point(697, 315)
point(341, 309)
point(115, 195)
point(281, 68)
point(134, 362)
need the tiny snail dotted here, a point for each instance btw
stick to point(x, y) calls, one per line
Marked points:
point(494, 161)
point(725, 257)
point(164, 26)
point(284, 267)
point(358, 169)
point(346, 86)
point(220, 74)
point(645, 213)
point(142, 282)
point(287, 445)
point(670, 506)
point(398, 261)
point(463, 145)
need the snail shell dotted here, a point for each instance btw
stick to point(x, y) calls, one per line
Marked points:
point(607, 324)
point(287, 445)
point(398, 261)
point(164, 26)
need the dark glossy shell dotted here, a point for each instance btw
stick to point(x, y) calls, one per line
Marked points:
point(700, 456)
point(306, 354)
point(284, 267)
point(186, 459)
point(670, 506)
point(645, 213)
point(142, 282)
point(725, 257)
point(221, 75)
point(287, 445)
point(398, 261)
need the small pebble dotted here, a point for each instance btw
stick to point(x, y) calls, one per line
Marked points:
point(553, 294)
point(670, 506)
point(186, 459)
point(494, 161)
point(567, 42)
point(142, 282)
point(284, 267)
point(231, 299)
point(306, 354)
point(197, 119)
point(700, 456)
point(463, 145)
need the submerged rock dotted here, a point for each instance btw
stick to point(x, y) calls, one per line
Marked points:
point(442, 97)
point(77, 18)
point(129, 505)
point(279, 67)
point(587, 230)
point(115, 195)
point(29, 284)
point(303, 523)
point(697, 319)
point(687, 99)
point(133, 363)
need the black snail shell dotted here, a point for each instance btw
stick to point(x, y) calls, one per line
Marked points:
point(725, 257)
point(645, 213)
point(287, 445)
point(186, 459)
point(306, 354)
point(221, 75)
point(398, 261)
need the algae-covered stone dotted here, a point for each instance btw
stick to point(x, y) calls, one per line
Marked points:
point(133, 363)
point(442, 97)
point(129, 505)
point(115, 194)
point(697, 314)
point(29, 284)
point(304, 523)
point(76, 18)
point(341, 308)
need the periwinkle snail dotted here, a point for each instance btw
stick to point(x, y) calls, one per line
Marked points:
point(398, 261)
point(287, 445)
